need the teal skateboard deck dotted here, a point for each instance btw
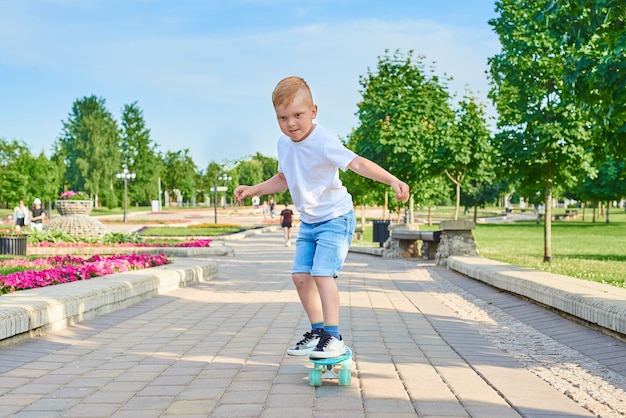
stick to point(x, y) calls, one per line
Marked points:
point(323, 369)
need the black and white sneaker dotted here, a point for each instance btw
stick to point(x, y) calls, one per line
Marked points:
point(307, 344)
point(328, 347)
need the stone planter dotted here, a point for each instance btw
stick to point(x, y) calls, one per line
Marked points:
point(73, 207)
point(15, 245)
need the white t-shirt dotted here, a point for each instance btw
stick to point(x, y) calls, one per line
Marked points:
point(311, 169)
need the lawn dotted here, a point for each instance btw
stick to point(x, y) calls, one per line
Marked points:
point(590, 251)
point(586, 250)
point(190, 231)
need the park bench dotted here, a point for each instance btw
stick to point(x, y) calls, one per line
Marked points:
point(454, 238)
point(569, 215)
point(405, 243)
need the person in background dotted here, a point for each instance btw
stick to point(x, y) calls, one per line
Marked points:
point(286, 216)
point(266, 209)
point(272, 208)
point(255, 202)
point(21, 216)
point(38, 216)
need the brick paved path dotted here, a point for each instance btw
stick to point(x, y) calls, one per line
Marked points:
point(217, 349)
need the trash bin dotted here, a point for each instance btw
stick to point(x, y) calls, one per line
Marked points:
point(13, 245)
point(381, 232)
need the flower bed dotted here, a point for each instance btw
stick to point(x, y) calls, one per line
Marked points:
point(55, 270)
point(197, 243)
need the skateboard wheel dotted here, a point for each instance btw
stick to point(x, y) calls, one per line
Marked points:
point(315, 377)
point(345, 377)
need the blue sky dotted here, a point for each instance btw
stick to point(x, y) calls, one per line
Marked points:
point(203, 71)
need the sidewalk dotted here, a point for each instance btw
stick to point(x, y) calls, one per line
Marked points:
point(427, 342)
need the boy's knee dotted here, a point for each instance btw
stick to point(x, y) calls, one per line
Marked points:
point(300, 279)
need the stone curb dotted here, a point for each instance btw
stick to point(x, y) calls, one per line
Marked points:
point(367, 250)
point(600, 304)
point(29, 313)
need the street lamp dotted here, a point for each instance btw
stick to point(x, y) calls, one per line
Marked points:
point(225, 178)
point(125, 176)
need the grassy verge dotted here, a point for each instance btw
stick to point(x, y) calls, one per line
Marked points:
point(589, 251)
point(586, 250)
point(152, 231)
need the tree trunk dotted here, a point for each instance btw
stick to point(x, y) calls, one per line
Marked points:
point(411, 209)
point(458, 200)
point(593, 218)
point(475, 214)
point(547, 226)
point(608, 204)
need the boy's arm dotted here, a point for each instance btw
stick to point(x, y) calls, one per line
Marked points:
point(276, 184)
point(366, 168)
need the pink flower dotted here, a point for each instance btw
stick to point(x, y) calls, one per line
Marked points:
point(62, 269)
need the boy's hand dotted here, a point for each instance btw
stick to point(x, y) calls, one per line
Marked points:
point(401, 189)
point(241, 192)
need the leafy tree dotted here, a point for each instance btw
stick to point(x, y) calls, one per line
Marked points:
point(256, 169)
point(476, 194)
point(543, 137)
point(404, 112)
point(608, 185)
point(45, 179)
point(139, 155)
point(467, 151)
point(23, 176)
point(14, 179)
point(592, 35)
point(89, 147)
point(179, 173)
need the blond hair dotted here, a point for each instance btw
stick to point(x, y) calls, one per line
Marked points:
point(286, 90)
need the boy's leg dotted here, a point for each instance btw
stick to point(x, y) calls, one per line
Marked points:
point(309, 296)
point(329, 295)
point(307, 291)
point(332, 244)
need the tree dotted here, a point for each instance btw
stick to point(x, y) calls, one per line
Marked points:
point(45, 179)
point(180, 173)
point(89, 147)
point(467, 150)
point(139, 155)
point(404, 111)
point(14, 179)
point(608, 185)
point(543, 137)
point(592, 35)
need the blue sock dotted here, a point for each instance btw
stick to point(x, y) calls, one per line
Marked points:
point(317, 325)
point(332, 330)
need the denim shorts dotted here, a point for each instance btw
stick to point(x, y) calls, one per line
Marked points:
point(321, 248)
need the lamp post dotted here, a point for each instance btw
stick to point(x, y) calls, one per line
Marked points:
point(225, 178)
point(125, 176)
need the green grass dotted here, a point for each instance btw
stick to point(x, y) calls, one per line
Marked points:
point(156, 231)
point(587, 250)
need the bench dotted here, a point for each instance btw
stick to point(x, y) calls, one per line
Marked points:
point(454, 238)
point(569, 215)
point(404, 243)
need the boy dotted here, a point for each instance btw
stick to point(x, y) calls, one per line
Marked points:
point(308, 161)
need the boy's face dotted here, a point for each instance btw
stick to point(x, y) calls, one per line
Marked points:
point(296, 119)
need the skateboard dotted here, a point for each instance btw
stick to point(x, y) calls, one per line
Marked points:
point(323, 369)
